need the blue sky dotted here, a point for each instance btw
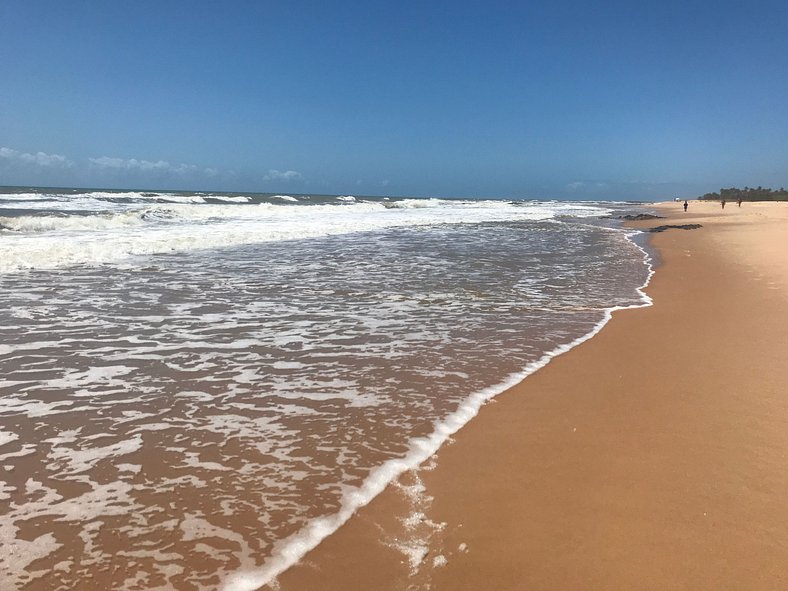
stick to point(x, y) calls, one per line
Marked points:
point(641, 100)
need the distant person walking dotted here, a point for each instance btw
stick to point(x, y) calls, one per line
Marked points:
point(723, 204)
point(686, 205)
point(738, 202)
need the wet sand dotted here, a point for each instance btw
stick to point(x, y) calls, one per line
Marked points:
point(653, 456)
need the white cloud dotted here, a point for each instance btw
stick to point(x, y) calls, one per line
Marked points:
point(279, 175)
point(133, 164)
point(38, 159)
point(128, 164)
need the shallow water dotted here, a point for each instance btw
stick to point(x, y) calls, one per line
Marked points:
point(196, 403)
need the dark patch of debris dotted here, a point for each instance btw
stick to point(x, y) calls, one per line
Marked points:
point(640, 217)
point(674, 226)
point(630, 217)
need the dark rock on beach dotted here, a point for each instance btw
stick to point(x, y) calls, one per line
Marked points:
point(675, 226)
point(640, 217)
point(633, 217)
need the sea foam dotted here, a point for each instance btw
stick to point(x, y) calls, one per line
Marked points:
point(291, 377)
point(289, 551)
point(51, 241)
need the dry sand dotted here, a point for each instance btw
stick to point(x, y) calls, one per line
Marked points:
point(653, 456)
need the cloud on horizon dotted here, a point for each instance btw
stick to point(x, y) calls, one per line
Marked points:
point(158, 166)
point(41, 159)
point(287, 175)
point(25, 168)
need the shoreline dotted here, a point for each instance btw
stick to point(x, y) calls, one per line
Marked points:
point(289, 551)
point(468, 508)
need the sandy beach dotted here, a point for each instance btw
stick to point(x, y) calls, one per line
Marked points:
point(652, 456)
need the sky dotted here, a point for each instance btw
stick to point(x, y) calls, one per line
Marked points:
point(554, 99)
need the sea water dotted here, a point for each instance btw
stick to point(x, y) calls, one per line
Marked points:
point(196, 388)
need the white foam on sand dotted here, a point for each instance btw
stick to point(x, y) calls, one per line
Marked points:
point(439, 561)
point(27, 449)
point(415, 553)
point(7, 437)
point(133, 468)
point(33, 408)
point(414, 543)
point(5, 490)
point(102, 500)
point(290, 550)
point(19, 553)
point(73, 461)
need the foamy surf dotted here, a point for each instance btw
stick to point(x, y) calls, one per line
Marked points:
point(293, 376)
point(109, 231)
point(292, 549)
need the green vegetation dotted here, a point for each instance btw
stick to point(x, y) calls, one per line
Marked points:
point(748, 194)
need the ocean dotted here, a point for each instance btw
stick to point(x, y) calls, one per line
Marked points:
point(197, 388)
